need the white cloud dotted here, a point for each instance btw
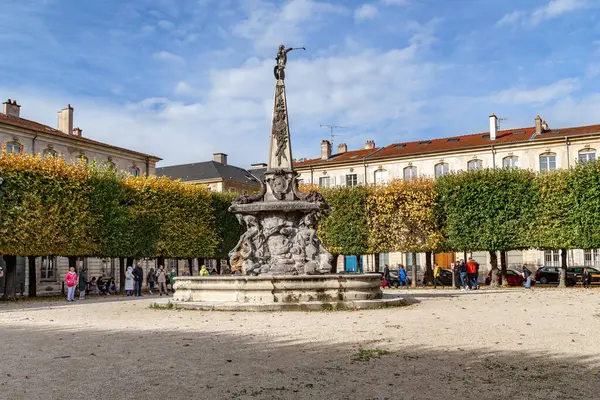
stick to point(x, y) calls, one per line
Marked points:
point(183, 87)
point(267, 25)
point(543, 94)
point(553, 9)
point(168, 57)
point(556, 8)
point(165, 25)
point(365, 11)
point(510, 19)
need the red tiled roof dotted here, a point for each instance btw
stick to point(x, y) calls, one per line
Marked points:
point(37, 127)
point(339, 157)
point(447, 144)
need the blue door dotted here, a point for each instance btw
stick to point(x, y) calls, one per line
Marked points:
point(351, 264)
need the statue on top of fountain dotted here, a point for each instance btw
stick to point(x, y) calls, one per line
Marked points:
point(281, 221)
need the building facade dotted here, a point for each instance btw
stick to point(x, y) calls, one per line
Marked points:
point(20, 135)
point(538, 148)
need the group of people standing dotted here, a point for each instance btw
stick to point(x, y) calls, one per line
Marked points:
point(468, 273)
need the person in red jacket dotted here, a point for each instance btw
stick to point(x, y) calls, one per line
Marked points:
point(472, 270)
point(71, 280)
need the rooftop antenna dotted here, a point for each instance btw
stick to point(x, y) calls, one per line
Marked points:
point(501, 119)
point(331, 128)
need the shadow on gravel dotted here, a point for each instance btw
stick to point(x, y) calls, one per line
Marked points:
point(64, 364)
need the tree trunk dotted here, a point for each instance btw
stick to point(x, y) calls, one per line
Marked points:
point(121, 275)
point(32, 291)
point(414, 270)
point(562, 282)
point(191, 266)
point(376, 255)
point(334, 264)
point(494, 265)
point(359, 265)
point(503, 269)
point(160, 260)
point(428, 268)
point(73, 263)
point(10, 277)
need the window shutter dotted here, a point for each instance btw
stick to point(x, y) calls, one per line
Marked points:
point(360, 179)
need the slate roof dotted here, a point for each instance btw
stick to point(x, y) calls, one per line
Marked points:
point(454, 143)
point(208, 170)
point(37, 127)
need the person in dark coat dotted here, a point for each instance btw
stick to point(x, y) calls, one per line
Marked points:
point(386, 276)
point(138, 276)
point(82, 282)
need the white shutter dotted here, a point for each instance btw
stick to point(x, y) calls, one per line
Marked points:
point(333, 181)
point(360, 179)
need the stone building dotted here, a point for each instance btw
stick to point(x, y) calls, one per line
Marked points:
point(21, 135)
point(537, 147)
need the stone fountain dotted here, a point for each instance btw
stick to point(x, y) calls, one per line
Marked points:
point(279, 263)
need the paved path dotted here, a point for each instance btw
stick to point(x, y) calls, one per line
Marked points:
point(518, 344)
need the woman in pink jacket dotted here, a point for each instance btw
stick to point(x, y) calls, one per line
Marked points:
point(71, 280)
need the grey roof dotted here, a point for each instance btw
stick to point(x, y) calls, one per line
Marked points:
point(208, 170)
point(258, 172)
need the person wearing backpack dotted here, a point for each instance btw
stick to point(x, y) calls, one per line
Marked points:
point(71, 281)
point(472, 269)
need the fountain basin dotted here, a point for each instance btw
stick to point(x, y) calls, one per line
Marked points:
point(278, 292)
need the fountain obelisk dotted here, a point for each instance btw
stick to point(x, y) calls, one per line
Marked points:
point(280, 221)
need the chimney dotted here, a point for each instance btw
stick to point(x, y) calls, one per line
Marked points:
point(493, 127)
point(342, 148)
point(77, 132)
point(538, 125)
point(11, 108)
point(370, 145)
point(65, 120)
point(221, 158)
point(325, 150)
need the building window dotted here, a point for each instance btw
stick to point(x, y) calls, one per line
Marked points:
point(135, 171)
point(381, 177)
point(510, 162)
point(474, 164)
point(48, 269)
point(49, 153)
point(384, 258)
point(587, 155)
point(13, 147)
point(551, 258)
point(409, 261)
point(441, 169)
point(324, 182)
point(548, 162)
point(591, 258)
point(351, 180)
point(410, 173)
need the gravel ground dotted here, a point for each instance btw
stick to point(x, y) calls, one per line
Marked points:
point(486, 344)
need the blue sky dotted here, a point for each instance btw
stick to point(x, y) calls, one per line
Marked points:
point(182, 79)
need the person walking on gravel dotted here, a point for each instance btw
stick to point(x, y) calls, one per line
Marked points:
point(527, 276)
point(402, 277)
point(150, 279)
point(161, 278)
point(71, 281)
point(138, 275)
point(82, 281)
point(436, 276)
point(386, 276)
point(472, 269)
point(462, 270)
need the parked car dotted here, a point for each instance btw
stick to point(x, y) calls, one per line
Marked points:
point(574, 275)
point(514, 278)
point(445, 277)
point(547, 275)
point(394, 280)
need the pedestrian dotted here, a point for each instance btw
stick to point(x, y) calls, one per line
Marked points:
point(402, 277)
point(586, 277)
point(150, 278)
point(138, 275)
point(472, 268)
point(527, 276)
point(437, 270)
point(161, 278)
point(462, 271)
point(71, 280)
point(204, 271)
point(386, 276)
point(172, 276)
point(129, 281)
point(82, 281)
